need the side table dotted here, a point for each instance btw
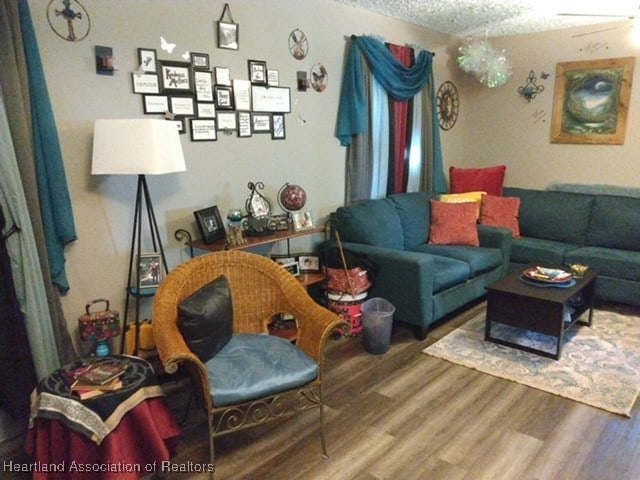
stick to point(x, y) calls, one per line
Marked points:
point(120, 435)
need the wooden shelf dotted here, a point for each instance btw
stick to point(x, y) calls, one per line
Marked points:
point(274, 237)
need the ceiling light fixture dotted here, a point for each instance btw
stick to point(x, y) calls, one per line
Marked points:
point(489, 66)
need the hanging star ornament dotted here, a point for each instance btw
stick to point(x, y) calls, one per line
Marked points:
point(489, 66)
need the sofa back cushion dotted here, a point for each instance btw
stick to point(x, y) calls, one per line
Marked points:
point(414, 213)
point(548, 215)
point(372, 222)
point(615, 223)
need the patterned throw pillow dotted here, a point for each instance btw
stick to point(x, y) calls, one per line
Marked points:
point(501, 212)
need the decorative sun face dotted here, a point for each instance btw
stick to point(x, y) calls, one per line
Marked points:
point(448, 105)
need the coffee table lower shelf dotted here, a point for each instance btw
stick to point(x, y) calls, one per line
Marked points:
point(543, 310)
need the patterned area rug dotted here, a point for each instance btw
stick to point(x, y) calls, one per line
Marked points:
point(599, 366)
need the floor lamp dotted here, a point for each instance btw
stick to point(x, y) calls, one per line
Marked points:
point(138, 147)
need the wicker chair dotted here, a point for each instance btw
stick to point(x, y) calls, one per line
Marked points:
point(260, 289)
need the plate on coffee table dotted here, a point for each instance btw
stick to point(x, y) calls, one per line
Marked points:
point(547, 275)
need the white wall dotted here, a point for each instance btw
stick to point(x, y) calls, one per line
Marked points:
point(217, 172)
point(500, 127)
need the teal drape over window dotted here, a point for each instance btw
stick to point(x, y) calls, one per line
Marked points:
point(400, 83)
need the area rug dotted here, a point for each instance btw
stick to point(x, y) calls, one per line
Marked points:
point(599, 366)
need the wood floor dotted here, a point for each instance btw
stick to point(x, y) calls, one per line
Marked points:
point(406, 415)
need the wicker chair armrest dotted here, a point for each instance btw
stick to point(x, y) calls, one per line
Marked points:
point(315, 325)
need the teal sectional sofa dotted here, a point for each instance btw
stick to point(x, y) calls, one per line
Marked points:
point(424, 282)
point(596, 229)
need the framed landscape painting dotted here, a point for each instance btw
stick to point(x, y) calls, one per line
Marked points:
point(591, 101)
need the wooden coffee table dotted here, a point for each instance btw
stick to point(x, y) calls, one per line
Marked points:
point(510, 301)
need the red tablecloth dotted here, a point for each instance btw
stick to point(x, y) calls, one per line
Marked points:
point(121, 435)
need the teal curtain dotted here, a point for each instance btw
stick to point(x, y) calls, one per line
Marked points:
point(400, 82)
point(55, 202)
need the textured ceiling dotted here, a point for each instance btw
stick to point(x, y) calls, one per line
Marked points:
point(501, 17)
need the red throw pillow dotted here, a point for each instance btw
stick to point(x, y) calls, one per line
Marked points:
point(453, 223)
point(501, 212)
point(488, 179)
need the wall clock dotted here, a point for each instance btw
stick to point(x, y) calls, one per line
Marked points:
point(448, 105)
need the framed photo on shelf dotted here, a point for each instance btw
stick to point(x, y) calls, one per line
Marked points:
point(200, 61)
point(203, 130)
point(176, 76)
point(224, 97)
point(277, 126)
point(148, 60)
point(145, 83)
point(210, 224)
point(309, 263)
point(154, 104)
point(257, 72)
point(149, 270)
point(302, 221)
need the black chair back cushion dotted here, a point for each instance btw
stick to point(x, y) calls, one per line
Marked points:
point(205, 319)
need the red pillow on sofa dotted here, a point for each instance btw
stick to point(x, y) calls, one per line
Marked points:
point(454, 223)
point(489, 179)
point(501, 212)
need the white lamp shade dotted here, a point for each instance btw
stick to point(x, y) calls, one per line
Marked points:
point(136, 146)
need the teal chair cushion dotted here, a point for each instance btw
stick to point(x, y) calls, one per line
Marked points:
point(254, 366)
point(374, 222)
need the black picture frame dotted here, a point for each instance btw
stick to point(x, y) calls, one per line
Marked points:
point(176, 77)
point(200, 61)
point(261, 122)
point(210, 224)
point(244, 124)
point(257, 72)
point(203, 85)
point(203, 130)
point(148, 60)
point(223, 97)
point(278, 130)
point(155, 104)
point(228, 34)
point(182, 105)
point(145, 83)
point(309, 262)
point(149, 271)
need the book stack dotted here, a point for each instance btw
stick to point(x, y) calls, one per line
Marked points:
point(98, 378)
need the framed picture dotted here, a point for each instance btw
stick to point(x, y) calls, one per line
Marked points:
point(203, 130)
point(182, 105)
point(155, 104)
point(203, 82)
point(149, 270)
point(175, 76)
point(228, 35)
point(279, 222)
point(244, 124)
point(277, 126)
point(257, 72)
point(148, 60)
point(260, 122)
point(308, 262)
point(223, 76)
point(273, 79)
point(288, 262)
point(227, 121)
point(206, 110)
point(145, 83)
point(591, 101)
point(302, 221)
point(210, 224)
point(223, 97)
point(200, 61)
point(271, 99)
point(242, 94)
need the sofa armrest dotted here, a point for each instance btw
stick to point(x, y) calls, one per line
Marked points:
point(497, 237)
point(404, 278)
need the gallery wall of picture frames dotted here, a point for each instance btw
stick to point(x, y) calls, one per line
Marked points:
point(206, 100)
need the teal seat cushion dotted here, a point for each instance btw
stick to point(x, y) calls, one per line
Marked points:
point(254, 366)
point(609, 262)
point(448, 272)
point(479, 259)
point(536, 250)
point(374, 222)
point(615, 223)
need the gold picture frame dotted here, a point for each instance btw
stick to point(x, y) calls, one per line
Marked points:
point(591, 101)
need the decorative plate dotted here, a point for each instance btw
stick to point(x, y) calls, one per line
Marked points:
point(547, 275)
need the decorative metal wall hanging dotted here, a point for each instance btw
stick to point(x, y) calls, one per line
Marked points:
point(68, 19)
point(530, 89)
point(319, 77)
point(448, 103)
